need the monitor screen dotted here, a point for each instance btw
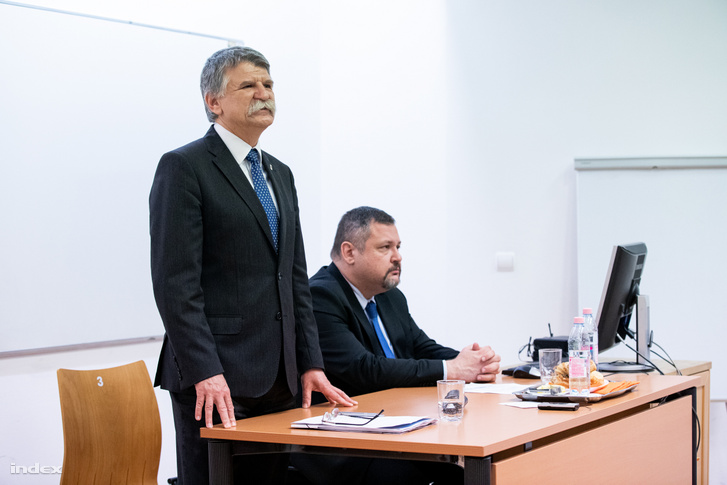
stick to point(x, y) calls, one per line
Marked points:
point(619, 294)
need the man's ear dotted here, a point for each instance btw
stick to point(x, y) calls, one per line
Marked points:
point(213, 103)
point(347, 252)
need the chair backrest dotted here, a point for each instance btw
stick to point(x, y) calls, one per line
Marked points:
point(111, 428)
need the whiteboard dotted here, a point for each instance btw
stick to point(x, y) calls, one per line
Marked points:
point(88, 108)
point(681, 215)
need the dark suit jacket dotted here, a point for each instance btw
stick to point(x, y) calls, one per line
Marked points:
point(354, 359)
point(230, 304)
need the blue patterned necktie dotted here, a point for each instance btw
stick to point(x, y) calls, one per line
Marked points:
point(261, 189)
point(374, 318)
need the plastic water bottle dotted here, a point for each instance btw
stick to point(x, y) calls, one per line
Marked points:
point(579, 359)
point(589, 324)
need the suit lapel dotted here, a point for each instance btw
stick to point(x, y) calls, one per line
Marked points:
point(361, 318)
point(227, 164)
point(286, 224)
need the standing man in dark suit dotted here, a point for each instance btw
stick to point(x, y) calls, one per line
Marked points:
point(370, 342)
point(229, 271)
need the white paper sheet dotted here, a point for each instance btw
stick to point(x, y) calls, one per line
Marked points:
point(382, 424)
point(493, 388)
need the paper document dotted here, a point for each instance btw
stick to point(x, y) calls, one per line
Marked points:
point(382, 424)
point(493, 388)
point(521, 404)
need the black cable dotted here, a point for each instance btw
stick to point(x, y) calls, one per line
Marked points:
point(529, 353)
point(699, 429)
point(653, 366)
point(669, 359)
point(666, 360)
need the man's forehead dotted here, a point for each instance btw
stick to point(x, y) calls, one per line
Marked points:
point(384, 232)
point(249, 69)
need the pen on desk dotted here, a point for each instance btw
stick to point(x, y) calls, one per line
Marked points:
point(550, 331)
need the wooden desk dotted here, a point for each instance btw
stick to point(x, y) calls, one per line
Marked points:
point(703, 370)
point(693, 368)
point(501, 444)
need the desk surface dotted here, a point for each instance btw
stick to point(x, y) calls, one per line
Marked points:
point(487, 427)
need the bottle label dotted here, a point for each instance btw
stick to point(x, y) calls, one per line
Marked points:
point(577, 368)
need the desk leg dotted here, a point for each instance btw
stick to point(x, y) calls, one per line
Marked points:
point(692, 393)
point(477, 470)
point(695, 423)
point(220, 459)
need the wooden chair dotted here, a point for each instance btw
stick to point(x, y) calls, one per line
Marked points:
point(111, 428)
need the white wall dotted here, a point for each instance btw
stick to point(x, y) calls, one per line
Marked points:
point(462, 119)
point(384, 131)
point(542, 83)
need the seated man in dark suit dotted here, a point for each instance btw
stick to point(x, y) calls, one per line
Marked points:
point(369, 340)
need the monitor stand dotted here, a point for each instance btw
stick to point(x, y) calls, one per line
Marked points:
point(621, 367)
point(643, 343)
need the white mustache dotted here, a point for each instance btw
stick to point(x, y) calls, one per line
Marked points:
point(258, 104)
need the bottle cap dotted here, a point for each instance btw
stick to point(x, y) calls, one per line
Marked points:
point(588, 311)
point(578, 320)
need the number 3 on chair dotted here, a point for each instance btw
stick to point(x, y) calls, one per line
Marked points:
point(100, 381)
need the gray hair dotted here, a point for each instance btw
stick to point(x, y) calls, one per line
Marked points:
point(214, 76)
point(355, 227)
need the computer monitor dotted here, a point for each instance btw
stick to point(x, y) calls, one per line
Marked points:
point(620, 295)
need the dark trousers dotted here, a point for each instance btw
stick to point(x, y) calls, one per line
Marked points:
point(192, 456)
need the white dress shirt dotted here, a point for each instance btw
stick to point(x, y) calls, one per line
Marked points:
point(239, 149)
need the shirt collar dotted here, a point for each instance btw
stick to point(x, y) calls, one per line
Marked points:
point(237, 146)
point(359, 296)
